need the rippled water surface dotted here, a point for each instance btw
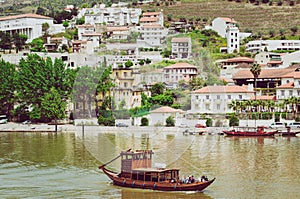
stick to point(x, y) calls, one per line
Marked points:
point(64, 165)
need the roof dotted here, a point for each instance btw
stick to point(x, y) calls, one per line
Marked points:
point(181, 39)
point(24, 16)
point(151, 13)
point(228, 20)
point(85, 26)
point(152, 25)
point(288, 85)
point(265, 73)
point(239, 59)
point(274, 62)
point(166, 109)
point(91, 34)
point(222, 89)
point(180, 65)
point(151, 19)
point(121, 28)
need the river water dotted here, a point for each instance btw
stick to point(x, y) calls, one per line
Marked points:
point(64, 165)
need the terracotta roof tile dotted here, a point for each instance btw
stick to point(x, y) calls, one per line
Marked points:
point(229, 20)
point(150, 19)
point(181, 39)
point(265, 73)
point(240, 59)
point(222, 89)
point(121, 28)
point(166, 109)
point(24, 16)
point(181, 65)
point(288, 85)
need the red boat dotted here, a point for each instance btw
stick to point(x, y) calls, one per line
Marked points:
point(250, 131)
point(136, 172)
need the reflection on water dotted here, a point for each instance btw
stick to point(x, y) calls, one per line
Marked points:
point(64, 165)
point(149, 194)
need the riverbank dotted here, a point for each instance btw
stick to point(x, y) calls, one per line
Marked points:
point(19, 127)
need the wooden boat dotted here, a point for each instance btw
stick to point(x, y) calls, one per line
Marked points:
point(287, 132)
point(136, 172)
point(250, 131)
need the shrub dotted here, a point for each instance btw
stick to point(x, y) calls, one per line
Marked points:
point(234, 121)
point(170, 121)
point(208, 122)
point(144, 121)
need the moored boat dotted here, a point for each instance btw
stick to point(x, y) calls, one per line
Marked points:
point(287, 132)
point(137, 172)
point(250, 131)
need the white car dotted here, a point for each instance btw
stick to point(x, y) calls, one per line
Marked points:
point(294, 125)
point(277, 125)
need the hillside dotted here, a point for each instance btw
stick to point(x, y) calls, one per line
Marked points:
point(257, 18)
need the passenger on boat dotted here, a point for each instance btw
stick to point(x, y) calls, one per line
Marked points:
point(192, 179)
point(204, 178)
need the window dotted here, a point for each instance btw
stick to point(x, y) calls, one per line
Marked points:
point(207, 96)
point(207, 106)
point(125, 74)
point(197, 97)
point(125, 84)
point(240, 97)
point(218, 106)
point(218, 97)
point(291, 92)
point(229, 96)
point(282, 93)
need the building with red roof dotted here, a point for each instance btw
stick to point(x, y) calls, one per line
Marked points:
point(217, 99)
point(181, 47)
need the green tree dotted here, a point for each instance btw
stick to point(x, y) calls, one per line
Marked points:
point(6, 41)
point(165, 100)
point(53, 106)
point(84, 89)
point(7, 87)
point(66, 24)
point(170, 121)
point(36, 76)
point(196, 83)
point(128, 64)
point(294, 30)
point(19, 41)
point(37, 45)
point(255, 70)
point(144, 121)
point(157, 89)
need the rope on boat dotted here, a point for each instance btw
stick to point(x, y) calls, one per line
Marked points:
point(100, 167)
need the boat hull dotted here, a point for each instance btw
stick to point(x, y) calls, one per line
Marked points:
point(247, 133)
point(161, 186)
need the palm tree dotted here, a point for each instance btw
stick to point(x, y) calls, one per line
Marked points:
point(255, 70)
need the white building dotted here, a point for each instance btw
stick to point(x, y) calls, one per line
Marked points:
point(85, 28)
point(233, 39)
point(231, 66)
point(269, 59)
point(159, 116)
point(152, 35)
point(221, 24)
point(177, 72)
point(118, 33)
point(227, 28)
point(181, 47)
point(111, 16)
point(270, 45)
point(152, 17)
point(216, 99)
point(27, 24)
point(290, 86)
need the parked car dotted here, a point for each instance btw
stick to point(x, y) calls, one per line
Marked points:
point(200, 126)
point(26, 122)
point(121, 125)
point(277, 125)
point(294, 125)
